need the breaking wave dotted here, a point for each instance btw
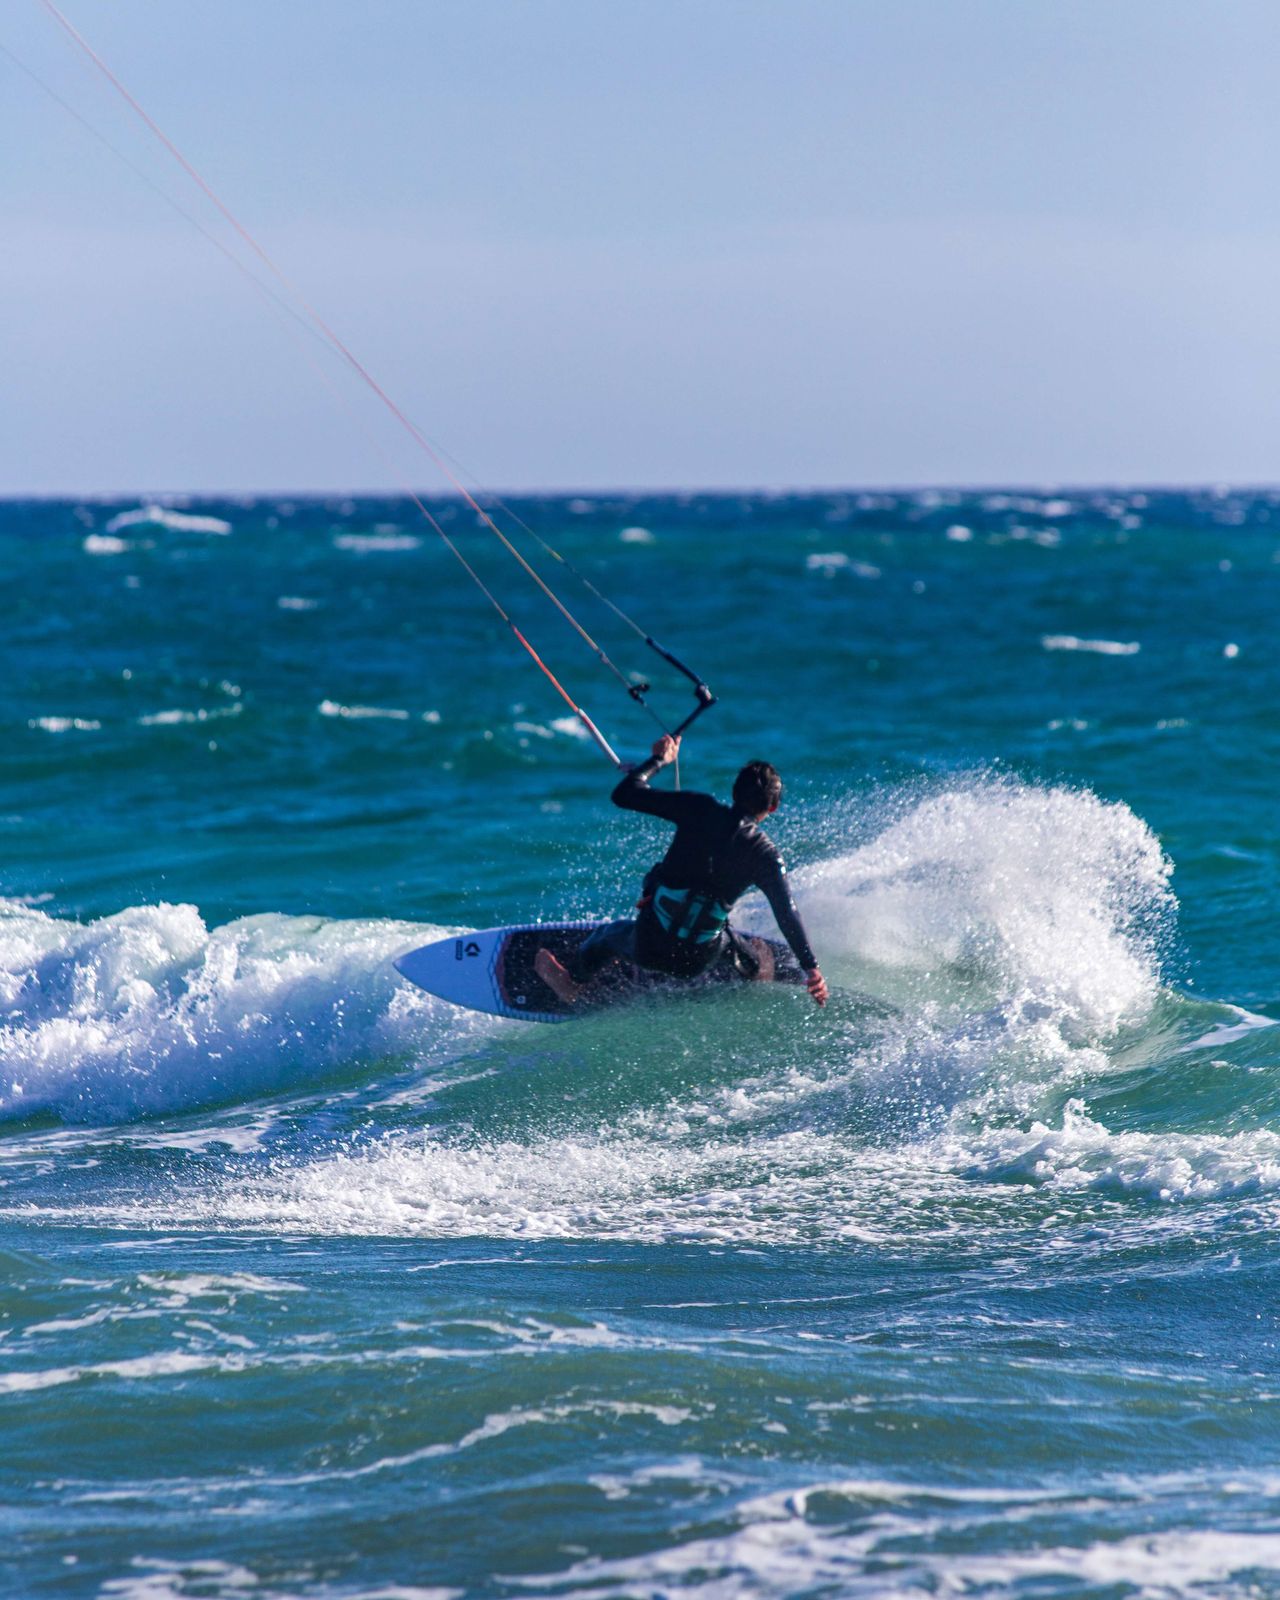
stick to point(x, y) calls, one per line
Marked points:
point(149, 1011)
point(995, 911)
point(996, 952)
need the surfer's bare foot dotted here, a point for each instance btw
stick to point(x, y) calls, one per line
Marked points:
point(556, 977)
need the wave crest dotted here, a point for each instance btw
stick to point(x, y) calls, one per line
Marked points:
point(149, 1010)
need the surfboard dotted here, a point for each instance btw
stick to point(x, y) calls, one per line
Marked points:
point(491, 970)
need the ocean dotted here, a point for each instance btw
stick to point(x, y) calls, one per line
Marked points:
point(313, 1285)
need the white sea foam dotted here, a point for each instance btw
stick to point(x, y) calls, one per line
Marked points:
point(636, 536)
point(331, 708)
point(1083, 1154)
point(372, 543)
point(65, 724)
point(179, 1289)
point(104, 544)
point(174, 717)
point(170, 1364)
point(296, 602)
point(1244, 1023)
point(829, 562)
point(887, 1541)
point(150, 1010)
point(163, 517)
point(648, 1182)
point(1097, 647)
point(1041, 900)
point(150, 1579)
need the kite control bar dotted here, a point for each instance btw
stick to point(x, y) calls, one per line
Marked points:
point(704, 695)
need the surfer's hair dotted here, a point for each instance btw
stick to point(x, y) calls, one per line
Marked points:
point(757, 788)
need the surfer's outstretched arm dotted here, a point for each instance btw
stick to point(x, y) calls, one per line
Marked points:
point(777, 891)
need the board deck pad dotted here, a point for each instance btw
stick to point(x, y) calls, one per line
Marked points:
point(491, 970)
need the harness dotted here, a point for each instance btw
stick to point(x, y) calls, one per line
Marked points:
point(689, 915)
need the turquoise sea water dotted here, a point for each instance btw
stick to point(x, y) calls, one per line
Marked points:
point(312, 1285)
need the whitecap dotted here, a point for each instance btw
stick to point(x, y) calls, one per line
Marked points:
point(331, 708)
point(162, 517)
point(165, 1365)
point(104, 544)
point(1098, 647)
point(175, 717)
point(859, 1539)
point(829, 562)
point(150, 1010)
point(1227, 1032)
point(636, 536)
point(1083, 1154)
point(370, 543)
point(65, 724)
point(296, 602)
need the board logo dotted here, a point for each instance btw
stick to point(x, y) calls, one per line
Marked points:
point(472, 948)
point(457, 949)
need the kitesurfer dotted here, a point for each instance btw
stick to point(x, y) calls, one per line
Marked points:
point(718, 853)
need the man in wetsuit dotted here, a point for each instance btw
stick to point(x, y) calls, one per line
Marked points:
point(718, 853)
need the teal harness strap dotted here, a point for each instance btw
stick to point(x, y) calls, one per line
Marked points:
point(690, 915)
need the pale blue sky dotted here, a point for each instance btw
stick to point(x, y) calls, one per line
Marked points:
point(651, 242)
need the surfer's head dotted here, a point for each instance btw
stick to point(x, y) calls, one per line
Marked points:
point(757, 789)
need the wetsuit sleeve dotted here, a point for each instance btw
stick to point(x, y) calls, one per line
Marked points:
point(634, 794)
point(777, 891)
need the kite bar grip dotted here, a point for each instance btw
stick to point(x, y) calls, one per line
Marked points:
point(705, 701)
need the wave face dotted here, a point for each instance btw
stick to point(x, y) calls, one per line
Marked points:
point(311, 1284)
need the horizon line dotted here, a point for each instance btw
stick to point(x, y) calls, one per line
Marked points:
point(1042, 487)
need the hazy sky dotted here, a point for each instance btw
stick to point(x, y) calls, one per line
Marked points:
point(649, 242)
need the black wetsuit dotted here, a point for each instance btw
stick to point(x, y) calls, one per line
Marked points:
point(716, 856)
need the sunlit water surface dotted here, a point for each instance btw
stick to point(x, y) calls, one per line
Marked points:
point(311, 1285)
